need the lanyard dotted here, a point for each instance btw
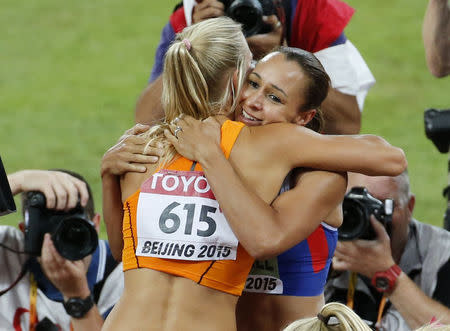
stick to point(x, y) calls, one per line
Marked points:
point(351, 294)
point(33, 298)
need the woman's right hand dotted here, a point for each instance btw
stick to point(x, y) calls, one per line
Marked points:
point(195, 140)
point(127, 155)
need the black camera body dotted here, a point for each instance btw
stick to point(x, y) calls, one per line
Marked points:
point(357, 207)
point(249, 13)
point(437, 128)
point(7, 204)
point(72, 232)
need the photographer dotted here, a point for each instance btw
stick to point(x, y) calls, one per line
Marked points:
point(50, 292)
point(313, 25)
point(403, 277)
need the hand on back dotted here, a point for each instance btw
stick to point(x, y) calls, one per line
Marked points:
point(127, 155)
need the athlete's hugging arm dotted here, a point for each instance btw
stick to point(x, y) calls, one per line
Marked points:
point(299, 146)
point(270, 230)
point(125, 156)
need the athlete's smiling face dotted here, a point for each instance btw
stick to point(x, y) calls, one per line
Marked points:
point(274, 92)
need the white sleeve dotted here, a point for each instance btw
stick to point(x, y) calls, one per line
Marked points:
point(347, 69)
point(111, 290)
point(188, 6)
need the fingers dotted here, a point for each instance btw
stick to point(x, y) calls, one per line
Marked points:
point(137, 129)
point(52, 261)
point(273, 21)
point(340, 265)
point(207, 9)
point(69, 190)
point(381, 232)
point(171, 138)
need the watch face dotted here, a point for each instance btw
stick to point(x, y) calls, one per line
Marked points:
point(75, 307)
point(382, 283)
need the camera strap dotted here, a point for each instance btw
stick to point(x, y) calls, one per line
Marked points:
point(21, 274)
point(33, 299)
point(351, 289)
point(351, 294)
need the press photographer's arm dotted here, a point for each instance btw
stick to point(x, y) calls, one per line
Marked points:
point(62, 192)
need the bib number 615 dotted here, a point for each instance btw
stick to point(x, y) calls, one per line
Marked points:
point(170, 227)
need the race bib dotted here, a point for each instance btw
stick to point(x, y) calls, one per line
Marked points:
point(264, 278)
point(179, 218)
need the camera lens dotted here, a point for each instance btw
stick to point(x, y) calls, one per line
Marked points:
point(355, 220)
point(249, 13)
point(75, 238)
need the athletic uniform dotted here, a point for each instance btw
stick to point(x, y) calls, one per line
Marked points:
point(301, 270)
point(174, 224)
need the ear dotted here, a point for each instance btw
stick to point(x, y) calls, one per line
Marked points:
point(235, 79)
point(305, 117)
point(411, 203)
point(96, 220)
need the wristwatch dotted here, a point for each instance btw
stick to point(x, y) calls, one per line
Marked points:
point(78, 307)
point(384, 281)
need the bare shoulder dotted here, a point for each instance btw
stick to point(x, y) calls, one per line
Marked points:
point(132, 181)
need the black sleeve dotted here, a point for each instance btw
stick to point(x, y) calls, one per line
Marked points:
point(442, 291)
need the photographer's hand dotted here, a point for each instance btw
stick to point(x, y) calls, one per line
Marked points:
point(205, 9)
point(365, 257)
point(69, 277)
point(262, 44)
point(61, 190)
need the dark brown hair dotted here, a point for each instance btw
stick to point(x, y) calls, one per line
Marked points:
point(319, 82)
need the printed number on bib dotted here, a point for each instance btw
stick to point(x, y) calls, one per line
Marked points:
point(179, 218)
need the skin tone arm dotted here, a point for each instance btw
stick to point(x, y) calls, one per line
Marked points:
point(273, 230)
point(367, 154)
point(125, 156)
point(60, 189)
point(436, 37)
point(149, 109)
point(341, 112)
point(416, 308)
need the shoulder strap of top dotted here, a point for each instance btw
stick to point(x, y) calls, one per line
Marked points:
point(230, 132)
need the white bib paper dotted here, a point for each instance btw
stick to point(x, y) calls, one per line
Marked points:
point(179, 218)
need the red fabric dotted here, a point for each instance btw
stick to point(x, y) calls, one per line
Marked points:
point(178, 20)
point(318, 23)
point(16, 321)
point(318, 247)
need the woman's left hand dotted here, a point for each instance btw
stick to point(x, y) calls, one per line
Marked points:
point(194, 139)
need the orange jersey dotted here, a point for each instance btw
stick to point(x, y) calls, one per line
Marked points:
point(162, 227)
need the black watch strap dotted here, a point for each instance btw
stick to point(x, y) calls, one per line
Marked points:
point(78, 307)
